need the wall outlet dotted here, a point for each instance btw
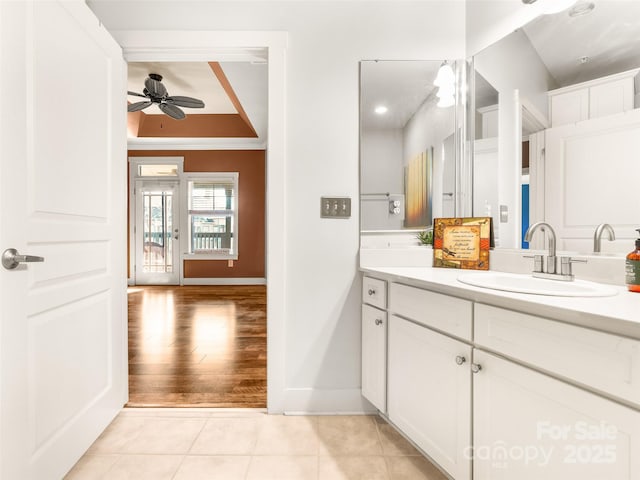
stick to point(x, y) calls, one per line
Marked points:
point(335, 207)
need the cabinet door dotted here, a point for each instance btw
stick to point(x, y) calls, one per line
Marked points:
point(429, 393)
point(569, 107)
point(374, 356)
point(528, 426)
point(611, 98)
point(608, 146)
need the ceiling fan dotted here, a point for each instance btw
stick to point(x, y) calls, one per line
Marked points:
point(156, 93)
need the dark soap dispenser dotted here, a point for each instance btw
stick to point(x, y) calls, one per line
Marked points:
point(632, 268)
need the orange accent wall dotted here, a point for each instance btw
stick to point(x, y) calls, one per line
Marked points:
point(226, 125)
point(250, 164)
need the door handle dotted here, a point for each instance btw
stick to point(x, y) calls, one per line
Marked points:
point(11, 259)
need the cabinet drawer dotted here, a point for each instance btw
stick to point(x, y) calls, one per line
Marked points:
point(602, 361)
point(374, 292)
point(442, 312)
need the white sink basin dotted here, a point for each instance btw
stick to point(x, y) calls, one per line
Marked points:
point(511, 282)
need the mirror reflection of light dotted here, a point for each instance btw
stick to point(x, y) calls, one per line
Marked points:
point(446, 101)
point(214, 328)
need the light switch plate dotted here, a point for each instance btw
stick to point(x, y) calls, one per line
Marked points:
point(504, 214)
point(335, 207)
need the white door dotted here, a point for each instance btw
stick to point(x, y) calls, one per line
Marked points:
point(587, 181)
point(62, 196)
point(429, 393)
point(156, 232)
point(528, 426)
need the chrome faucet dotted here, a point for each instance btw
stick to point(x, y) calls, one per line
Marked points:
point(551, 258)
point(551, 270)
point(597, 236)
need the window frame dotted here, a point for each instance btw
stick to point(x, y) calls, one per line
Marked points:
point(212, 177)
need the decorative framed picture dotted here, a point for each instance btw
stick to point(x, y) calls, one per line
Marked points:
point(462, 242)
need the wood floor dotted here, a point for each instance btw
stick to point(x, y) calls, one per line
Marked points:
point(197, 346)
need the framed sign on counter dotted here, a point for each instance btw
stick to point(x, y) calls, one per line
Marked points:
point(462, 242)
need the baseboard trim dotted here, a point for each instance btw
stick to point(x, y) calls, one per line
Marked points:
point(303, 401)
point(224, 281)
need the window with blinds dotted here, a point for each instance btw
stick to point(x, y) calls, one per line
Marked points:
point(213, 216)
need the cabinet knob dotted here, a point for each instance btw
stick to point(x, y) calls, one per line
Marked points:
point(378, 321)
point(475, 367)
point(460, 359)
point(371, 292)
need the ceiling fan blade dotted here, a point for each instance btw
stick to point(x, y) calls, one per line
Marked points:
point(172, 111)
point(134, 107)
point(155, 87)
point(136, 94)
point(188, 102)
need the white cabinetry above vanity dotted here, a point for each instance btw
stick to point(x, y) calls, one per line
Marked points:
point(597, 98)
point(490, 390)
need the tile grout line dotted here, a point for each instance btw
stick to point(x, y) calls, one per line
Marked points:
point(195, 439)
point(384, 455)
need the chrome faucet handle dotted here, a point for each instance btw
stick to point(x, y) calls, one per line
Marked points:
point(565, 265)
point(552, 264)
point(537, 262)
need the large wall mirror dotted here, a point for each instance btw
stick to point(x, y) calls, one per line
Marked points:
point(407, 146)
point(557, 127)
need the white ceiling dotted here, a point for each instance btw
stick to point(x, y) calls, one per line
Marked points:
point(609, 36)
point(246, 73)
point(401, 86)
point(191, 79)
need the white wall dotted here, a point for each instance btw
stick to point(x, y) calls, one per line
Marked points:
point(514, 69)
point(381, 151)
point(428, 127)
point(326, 41)
point(381, 171)
point(512, 63)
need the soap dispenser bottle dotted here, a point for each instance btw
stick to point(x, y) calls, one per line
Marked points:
point(632, 267)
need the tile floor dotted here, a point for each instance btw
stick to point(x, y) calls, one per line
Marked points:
point(183, 444)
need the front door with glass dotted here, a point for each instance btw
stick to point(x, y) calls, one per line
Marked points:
point(156, 233)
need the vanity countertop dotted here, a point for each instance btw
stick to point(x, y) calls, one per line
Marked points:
point(619, 314)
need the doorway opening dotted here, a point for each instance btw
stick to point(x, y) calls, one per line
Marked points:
point(197, 297)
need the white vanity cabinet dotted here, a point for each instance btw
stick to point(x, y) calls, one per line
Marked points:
point(494, 393)
point(374, 342)
point(429, 379)
point(529, 426)
point(429, 393)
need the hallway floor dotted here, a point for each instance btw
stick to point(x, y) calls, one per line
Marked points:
point(202, 346)
point(199, 444)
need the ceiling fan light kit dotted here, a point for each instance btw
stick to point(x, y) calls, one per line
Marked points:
point(156, 93)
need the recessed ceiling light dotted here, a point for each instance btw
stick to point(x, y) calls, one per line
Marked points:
point(381, 110)
point(584, 59)
point(582, 8)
